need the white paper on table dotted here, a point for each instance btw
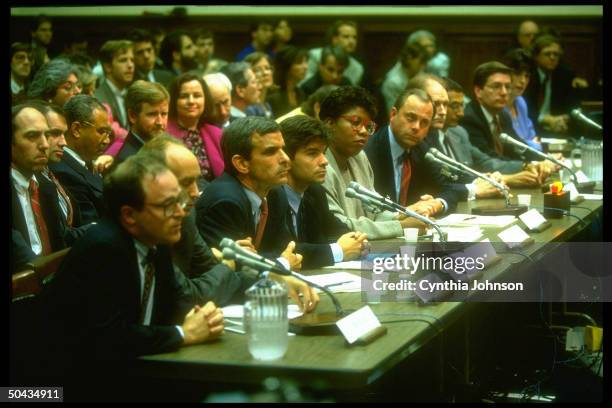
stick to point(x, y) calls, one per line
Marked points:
point(339, 281)
point(552, 140)
point(236, 312)
point(463, 234)
point(345, 265)
point(582, 178)
point(462, 220)
point(592, 196)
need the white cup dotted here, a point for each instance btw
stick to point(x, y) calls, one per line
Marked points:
point(411, 234)
point(524, 199)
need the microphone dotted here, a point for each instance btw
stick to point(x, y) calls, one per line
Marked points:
point(369, 197)
point(510, 140)
point(469, 171)
point(578, 115)
point(233, 245)
point(253, 263)
point(445, 166)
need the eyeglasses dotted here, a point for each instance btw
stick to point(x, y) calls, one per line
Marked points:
point(498, 86)
point(182, 200)
point(71, 86)
point(101, 131)
point(357, 122)
point(551, 54)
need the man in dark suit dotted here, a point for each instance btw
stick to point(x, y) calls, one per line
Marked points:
point(323, 239)
point(117, 59)
point(115, 296)
point(147, 108)
point(236, 204)
point(87, 137)
point(397, 154)
point(485, 119)
point(144, 58)
point(37, 228)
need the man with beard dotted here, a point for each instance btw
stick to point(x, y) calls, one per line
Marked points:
point(178, 52)
point(144, 58)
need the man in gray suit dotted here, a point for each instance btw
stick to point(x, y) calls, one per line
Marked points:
point(117, 59)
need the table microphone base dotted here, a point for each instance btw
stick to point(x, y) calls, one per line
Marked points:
point(586, 187)
point(316, 323)
point(515, 210)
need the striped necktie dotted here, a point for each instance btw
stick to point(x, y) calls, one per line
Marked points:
point(41, 225)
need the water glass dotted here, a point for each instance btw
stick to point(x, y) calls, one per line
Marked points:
point(265, 319)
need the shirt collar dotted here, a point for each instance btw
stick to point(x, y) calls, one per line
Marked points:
point(293, 197)
point(141, 251)
point(397, 151)
point(114, 89)
point(20, 179)
point(487, 114)
point(441, 136)
point(15, 87)
point(542, 74)
point(234, 111)
point(254, 199)
point(137, 137)
point(75, 156)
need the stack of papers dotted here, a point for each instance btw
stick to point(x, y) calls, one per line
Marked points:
point(483, 221)
point(336, 282)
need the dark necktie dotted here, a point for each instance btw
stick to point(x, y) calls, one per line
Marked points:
point(41, 225)
point(65, 197)
point(148, 282)
point(405, 181)
point(497, 144)
point(542, 91)
point(261, 225)
point(447, 148)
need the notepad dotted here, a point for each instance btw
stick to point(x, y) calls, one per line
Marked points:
point(483, 221)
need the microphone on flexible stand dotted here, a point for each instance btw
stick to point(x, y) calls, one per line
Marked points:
point(308, 323)
point(585, 187)
point(578, 115)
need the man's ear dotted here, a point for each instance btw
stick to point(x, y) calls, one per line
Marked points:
point(240, 91)
point(392, 113)
point(477, 91)
point(127, 216)
point(75, 130)
point(241, 164)
point(107, 68)
point(132, 116)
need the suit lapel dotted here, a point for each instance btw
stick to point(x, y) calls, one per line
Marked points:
point(94, 181)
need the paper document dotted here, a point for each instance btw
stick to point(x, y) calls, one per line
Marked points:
point(336, 282)
point(235, 313)
point(356, 265)
point(483, 221)
point(552, 140)
point(592, 196)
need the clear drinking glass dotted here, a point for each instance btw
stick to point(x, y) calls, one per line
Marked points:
point(265, 319)
point(592, 159)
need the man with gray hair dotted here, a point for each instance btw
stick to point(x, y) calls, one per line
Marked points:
point(88, 136)
point(220, 88)
point(246, 89)
point(438, 63)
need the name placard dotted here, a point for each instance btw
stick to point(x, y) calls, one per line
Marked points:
point(358, 324)
point(532, 219)
point(513, 236)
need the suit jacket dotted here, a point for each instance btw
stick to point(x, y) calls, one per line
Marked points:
point(105, 94)
point(473, 157)
point(350, 210)
point(317, 227)
point(130, 147)
point(200, 274)
point(21, 247)
point(211, 136)
point(93, 302)
point(84, 186)
point(563, 97)
point(475, 123)
point(161, 76)
point(425, 178)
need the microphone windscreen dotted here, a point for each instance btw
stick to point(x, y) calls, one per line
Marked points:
point(350, 193)
point(228, 253)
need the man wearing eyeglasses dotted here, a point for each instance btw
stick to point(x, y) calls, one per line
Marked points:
point(87, 138)
point(348, 111)
point(116, 297)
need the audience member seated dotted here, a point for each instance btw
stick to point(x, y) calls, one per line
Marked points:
point(115, 296)
point(261, 39)
point(88, 136)
point(323, 238)
point(189, 107)
point(522, 64)
point(282, 35)
point(117, 59)
point(334, 61)
point(438, 63)
point(178, 53)
point(36, 226)
point(87, 79)
point(21, 68)
point(144, 58)
point(551, 93)
point(262, 68)
point(343, 34)
point(41, 33)
point(397, 152)
point(348, 111)
point(290, 66)
point(147, 108)
point(220, 88)
point(236, 206)
point(204, 50)
point(526, 33)
point(55, 82)
point(411, 61)
point(311, 106)
point(246, 89)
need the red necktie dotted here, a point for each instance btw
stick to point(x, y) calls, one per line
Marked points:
point(41, 225)
point(497, 145)
point(406, 173)
point(62, 192)
point(261, 225)
point(148, 282)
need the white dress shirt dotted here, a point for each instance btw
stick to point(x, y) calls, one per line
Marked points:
point(21, 186)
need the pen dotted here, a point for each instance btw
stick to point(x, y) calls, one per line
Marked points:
point(469, 218)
